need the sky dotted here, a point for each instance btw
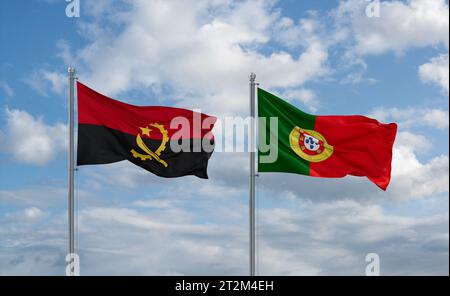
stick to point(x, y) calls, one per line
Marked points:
point(324, 57)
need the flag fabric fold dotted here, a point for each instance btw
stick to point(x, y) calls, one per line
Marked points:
point(111, 131)
point(327, 146)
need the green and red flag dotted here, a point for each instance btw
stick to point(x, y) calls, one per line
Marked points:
point(326, 146)
point(111, 131)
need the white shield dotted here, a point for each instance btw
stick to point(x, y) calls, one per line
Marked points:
point(311, 143)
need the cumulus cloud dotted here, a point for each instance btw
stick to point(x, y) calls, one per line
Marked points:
point(295, 237)
point(305, 31)
point(121, 173)
point(30, 140)
point(401, 25)
point(334, 237)
point(437, 118)
point(205, 55)
point(413, 116)
point(35, 197)
point(413, 142)
point(27, 215)
point(436, 72)
point(412, 178)
point(45, 82)
point(6, 89)
point(358, 77)
point(33, 212)
point(326, 238)
point(305, 96)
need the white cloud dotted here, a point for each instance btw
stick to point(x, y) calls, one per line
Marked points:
point(27, 215)
point(436, 72)
point(34, 214)
point(303, 33)
point(4, 86)
point(295, 237)
point(205, 55)
point(414, 142)
point(120, 173)
point(135, 219)
point(401, 25)
point(413, 117)
point(153, 203)
point(412, 178)
point(30, 140)
point(437, 118)
point(65, 54)
point(334, 237)
point(33, 197)
point(44, 81)
point(303, 95)
point(357, 77)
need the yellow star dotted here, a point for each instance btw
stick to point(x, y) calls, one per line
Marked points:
point(145, 131)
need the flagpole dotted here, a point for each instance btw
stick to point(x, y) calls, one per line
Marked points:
point(71, 72)
point(252, 175)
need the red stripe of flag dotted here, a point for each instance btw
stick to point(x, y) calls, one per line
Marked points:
point(97, 109)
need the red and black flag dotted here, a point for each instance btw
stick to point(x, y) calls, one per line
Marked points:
point(169, 142)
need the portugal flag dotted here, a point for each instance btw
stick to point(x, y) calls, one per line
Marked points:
point(326, 146)
point(169, 142)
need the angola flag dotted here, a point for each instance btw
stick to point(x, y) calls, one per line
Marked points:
point(169, 142)
point(325, 146)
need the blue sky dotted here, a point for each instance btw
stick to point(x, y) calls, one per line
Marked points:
point(325, 57)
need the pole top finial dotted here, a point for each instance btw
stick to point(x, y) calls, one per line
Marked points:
point(252, 77)
point(71, 70)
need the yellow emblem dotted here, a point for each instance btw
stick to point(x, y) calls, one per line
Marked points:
point(149, 153)
point(310, 145)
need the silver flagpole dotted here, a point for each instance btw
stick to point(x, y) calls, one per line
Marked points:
point(71, 72)
point(252, 175)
